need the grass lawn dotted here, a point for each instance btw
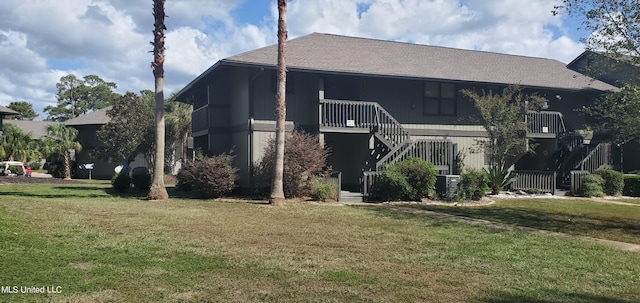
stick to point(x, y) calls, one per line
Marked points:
point(100, 248)
point(573, 216)
point(628, 200)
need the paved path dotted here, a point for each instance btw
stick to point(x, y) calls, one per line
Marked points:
point(615, 244)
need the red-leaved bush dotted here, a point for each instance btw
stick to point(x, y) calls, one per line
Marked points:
point(211, 177)
point(303, 159)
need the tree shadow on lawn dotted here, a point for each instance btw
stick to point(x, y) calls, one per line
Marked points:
point(618, 229)
point(558, 296)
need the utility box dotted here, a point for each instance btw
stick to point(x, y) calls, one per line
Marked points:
point(447, 185)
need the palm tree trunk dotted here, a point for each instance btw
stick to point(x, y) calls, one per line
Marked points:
point(67, 166)
point(277, 190)
point(158, 190)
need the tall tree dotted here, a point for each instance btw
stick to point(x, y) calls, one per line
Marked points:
point(277, 188)
point(616, 115)
point(178, 125)
point(24, 108)
point(131, 129)
point(613, 25)
point(79, 96)
point(17, 145)
point(503, 117)
point(62, 140)
point(158, 190)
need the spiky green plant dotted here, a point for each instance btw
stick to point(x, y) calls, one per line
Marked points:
point(498, 178)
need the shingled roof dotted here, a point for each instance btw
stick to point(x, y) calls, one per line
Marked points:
point(97, 117)
point(5, 111)
point(341, 54)
point(37, 129)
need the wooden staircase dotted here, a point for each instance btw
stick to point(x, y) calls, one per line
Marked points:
point(392, 142)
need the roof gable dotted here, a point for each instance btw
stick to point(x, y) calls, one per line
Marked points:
point(333, 53)
point(5, 111)
point(37, 129)
point(96, 117)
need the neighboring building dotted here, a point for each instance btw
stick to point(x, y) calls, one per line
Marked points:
point(5, 111)
point(615, 71)
point(37, 129)
point(88, 126)
point(375, 102)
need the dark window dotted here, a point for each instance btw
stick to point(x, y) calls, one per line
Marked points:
point(439, 99)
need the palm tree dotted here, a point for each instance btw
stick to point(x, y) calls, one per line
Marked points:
point(277, 191)
point(179, 123)
point(158, 190)
point(17, 145)
point(62, 140)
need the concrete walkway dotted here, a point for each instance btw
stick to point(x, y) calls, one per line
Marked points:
point(619, 245)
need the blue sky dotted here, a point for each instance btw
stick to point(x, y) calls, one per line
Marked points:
point(43, 40)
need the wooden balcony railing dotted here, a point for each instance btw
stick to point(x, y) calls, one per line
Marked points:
point(545, 122)
point(344, 114)
point(542, 180)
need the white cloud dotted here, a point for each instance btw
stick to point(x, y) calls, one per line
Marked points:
point(42, 40)
point(15, 55)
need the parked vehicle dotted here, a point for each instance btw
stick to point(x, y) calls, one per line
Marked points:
point(14, 168)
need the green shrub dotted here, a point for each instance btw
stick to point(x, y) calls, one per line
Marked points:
point(631, 186)
point(185, 177)
point(533, 191)
point(323, 191)
point(592, 186)
point(613, 181)
point(391, 186)
point(304, 158)
point(141, 179)
point(421, 175)
point(498, 179)
point(36, 165)
point(473, 185)
point(121, 182)
point(211, 177)
point(56, 168)
point(411, 179)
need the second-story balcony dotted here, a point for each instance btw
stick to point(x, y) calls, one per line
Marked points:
point(545, 124)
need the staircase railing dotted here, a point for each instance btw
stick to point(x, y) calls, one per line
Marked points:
point(599, 157)
point(390, 128)
point(438, 152)
point(586, 159)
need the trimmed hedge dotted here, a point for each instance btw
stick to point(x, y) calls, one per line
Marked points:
point(141, 179)
point(411, 180)
point(474, 185)
point(613, 181)
point(592, 186)
point(323, 191)
point(631, 185)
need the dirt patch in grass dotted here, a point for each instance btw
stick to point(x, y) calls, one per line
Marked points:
point(35, 180)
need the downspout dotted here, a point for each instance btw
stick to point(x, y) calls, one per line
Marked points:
point(250, 153)
point(251, 126)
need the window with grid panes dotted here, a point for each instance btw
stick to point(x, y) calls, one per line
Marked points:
point(439, 99)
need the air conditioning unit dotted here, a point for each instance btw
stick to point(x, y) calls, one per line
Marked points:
point(447, 185)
